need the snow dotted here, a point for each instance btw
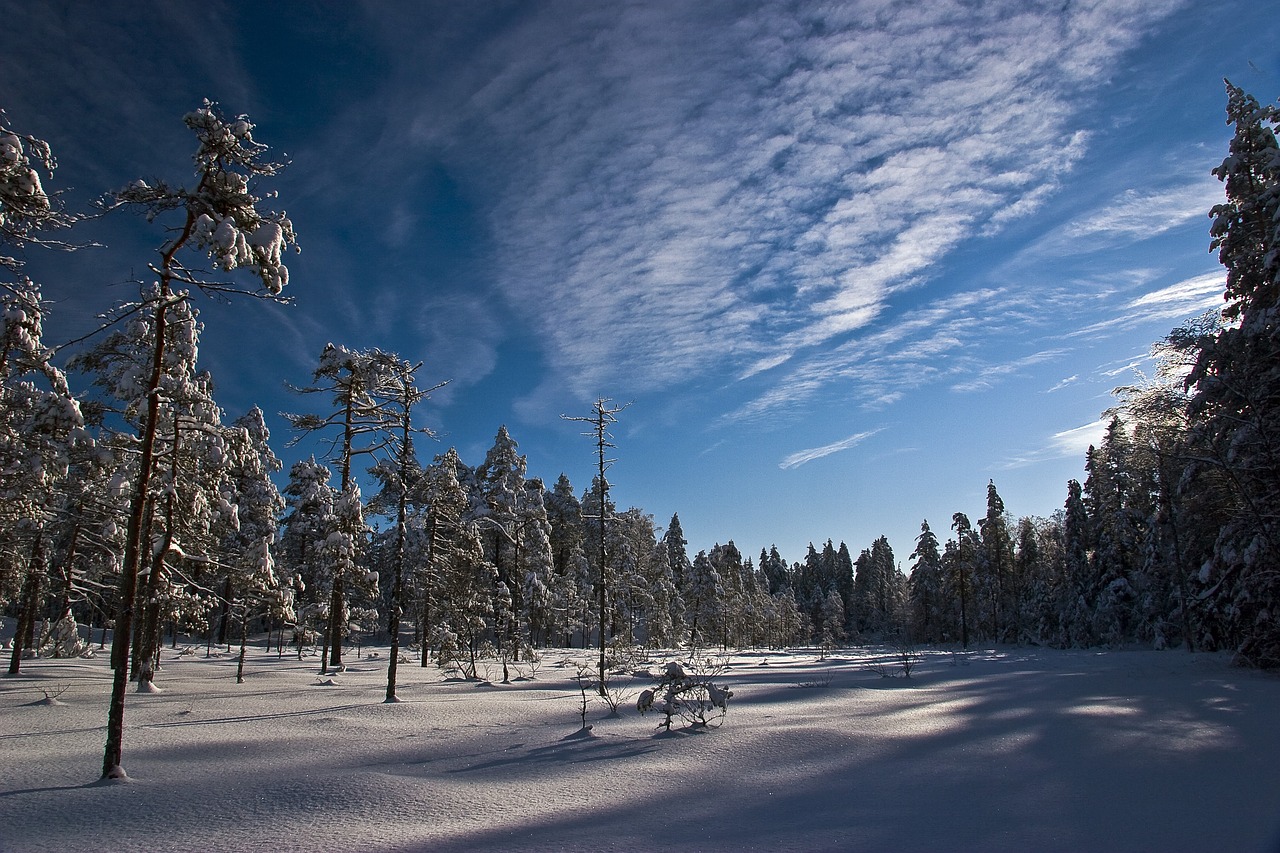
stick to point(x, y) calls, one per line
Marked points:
point(997, 749)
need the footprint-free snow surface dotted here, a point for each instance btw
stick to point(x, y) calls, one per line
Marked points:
point(1005, 749)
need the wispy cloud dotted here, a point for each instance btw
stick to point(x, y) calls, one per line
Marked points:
point(988, 375)
point(802, 457)
point(1077, 441)
point(1135, 215)
point(1170, 303)
point(675, 189)
point(1069, 443)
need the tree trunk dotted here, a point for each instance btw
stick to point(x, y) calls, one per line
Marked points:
point(111, 766)
point(30, 604)
point(244, 643)
point(337, 605)
point(224, 611)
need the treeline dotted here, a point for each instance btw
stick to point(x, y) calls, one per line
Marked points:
point(133, 505)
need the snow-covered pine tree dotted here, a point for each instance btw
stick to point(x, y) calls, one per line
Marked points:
point(730, 609)
point(221, 220)
point(1236, 399)
point(965, 555)
point(604, 415)
point(41, 431)
point(255, 505)
point(831, 629)
point(928, 612)
point(1118, 512)
point(1075, 608)
point(40, 420)
point(702, 597)
point(304, 529)
point(500, 482)
point(993, 581)
point(401, 476)
point(677, 551)
point(537, 564)
point(361, 385)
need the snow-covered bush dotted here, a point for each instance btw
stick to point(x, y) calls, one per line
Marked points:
point(685, 692)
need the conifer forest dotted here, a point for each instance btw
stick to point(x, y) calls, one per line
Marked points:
point(137, 511)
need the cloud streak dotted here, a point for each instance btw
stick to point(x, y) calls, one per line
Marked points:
point(802, 457)
point(676, 189)
point(1068, 444)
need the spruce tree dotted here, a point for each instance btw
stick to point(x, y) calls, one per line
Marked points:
point(1236, 401)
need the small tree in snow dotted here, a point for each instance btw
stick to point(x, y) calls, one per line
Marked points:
point(685, 692)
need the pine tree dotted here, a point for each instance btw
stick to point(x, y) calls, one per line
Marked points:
point(604, 415)
point(362, 385)
point(1236, 400)
point(1117, 513)
point(926, 588)
point(41, 424)
point(220, 218)
point(702, 596)
point(993, 582)
point(677, 551)
point(1075, 607)
point(964, 556)
point(305, 528)
point(41, 430)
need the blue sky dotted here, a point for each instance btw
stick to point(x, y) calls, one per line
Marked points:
point(848, 261)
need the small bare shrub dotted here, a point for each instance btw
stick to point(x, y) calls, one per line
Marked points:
point(688, 692)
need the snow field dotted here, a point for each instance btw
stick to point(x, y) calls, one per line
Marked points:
point(1006, 749)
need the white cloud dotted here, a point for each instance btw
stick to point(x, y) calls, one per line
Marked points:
point(680, 188)
point(1136, 215)
point(1170, 304)
point(1077, 441)
point(988, 375)
point(1069, 444)
point(801, 457)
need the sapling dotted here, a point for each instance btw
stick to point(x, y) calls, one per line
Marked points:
point(694, 697)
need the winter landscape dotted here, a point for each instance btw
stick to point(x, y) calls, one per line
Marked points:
point(992, 749)
point(545, 502)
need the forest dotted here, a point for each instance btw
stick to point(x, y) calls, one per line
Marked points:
point(134, 511)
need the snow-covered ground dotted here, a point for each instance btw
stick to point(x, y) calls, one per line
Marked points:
point(1006, 749)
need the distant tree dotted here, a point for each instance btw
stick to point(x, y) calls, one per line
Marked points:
point(775, 570)
point(702, 597)
point(964, 553)
point(362, 421)
point(926, 587)
point(399, 473)
point(993, 580)
point(306, 526)
point(1075, 607)
point(603, 416)
point(536, 563)
point(1118, 512)
point(831, 631)
point(254, 501)
point(564, 514)
point(1026, 568)
point(677, 551)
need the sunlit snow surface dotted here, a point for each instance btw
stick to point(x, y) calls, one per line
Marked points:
point(1011, 749)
